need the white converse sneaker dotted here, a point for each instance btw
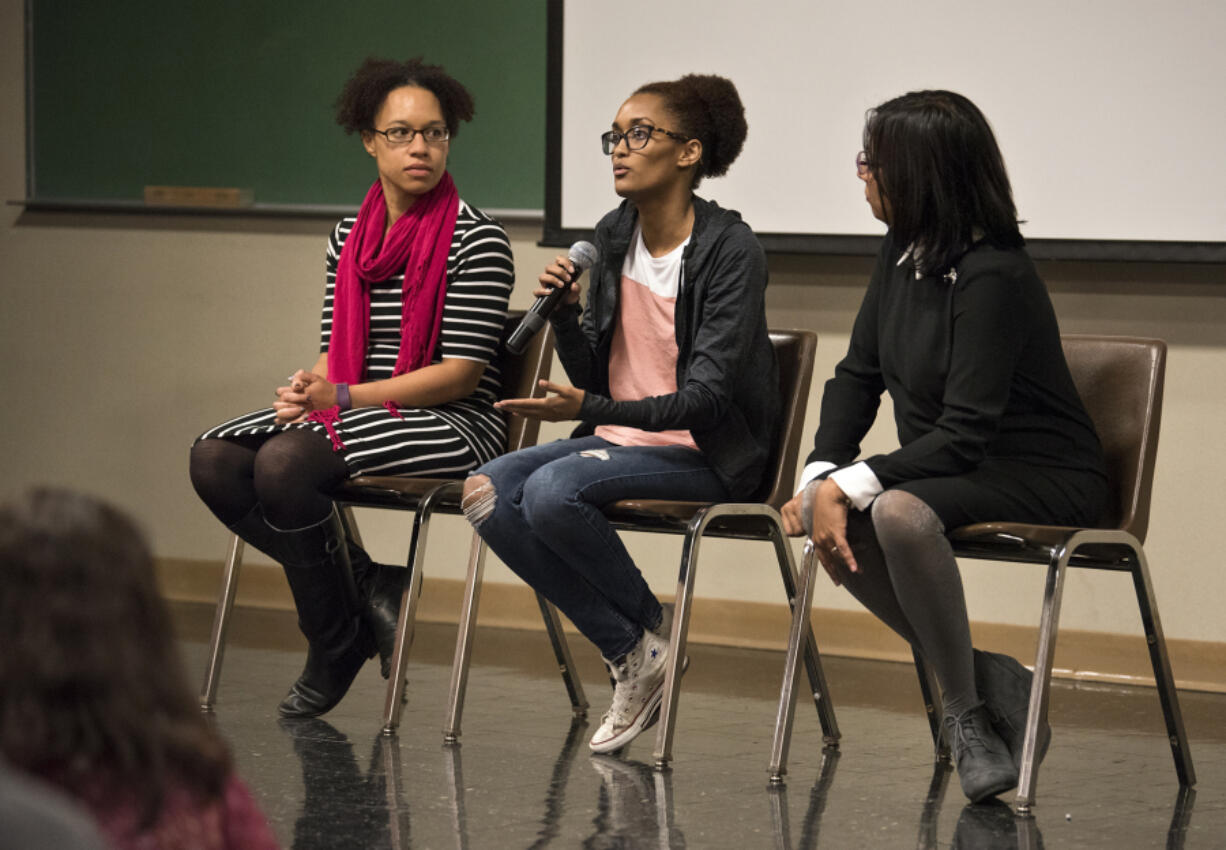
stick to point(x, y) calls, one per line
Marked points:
point(636, 695)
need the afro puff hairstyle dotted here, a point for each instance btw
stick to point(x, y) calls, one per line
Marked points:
point(707, 108)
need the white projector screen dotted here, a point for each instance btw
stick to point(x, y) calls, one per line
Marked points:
point(1111, 113)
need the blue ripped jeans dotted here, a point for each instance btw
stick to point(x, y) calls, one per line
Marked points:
point(547, 526)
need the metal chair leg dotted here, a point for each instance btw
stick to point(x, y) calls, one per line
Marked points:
point(1163, 677)
point(1040, 689)
point(350, 525)
point(464, 640)
point(221, 623)
point(663, 754)
point(813, 663)
point(393, 706)
point(561, 652)
point(786, 711)
point(931, 693)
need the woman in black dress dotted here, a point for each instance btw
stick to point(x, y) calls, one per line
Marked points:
point(957, 326)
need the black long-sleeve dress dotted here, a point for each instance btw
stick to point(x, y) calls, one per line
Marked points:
point(990, 425)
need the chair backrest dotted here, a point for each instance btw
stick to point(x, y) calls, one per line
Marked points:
point(520, 375)
point(794, 352)
point(1120, 382)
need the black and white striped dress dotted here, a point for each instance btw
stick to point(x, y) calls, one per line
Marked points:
point(451, 438)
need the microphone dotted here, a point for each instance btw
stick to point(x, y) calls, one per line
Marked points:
point(583, 255)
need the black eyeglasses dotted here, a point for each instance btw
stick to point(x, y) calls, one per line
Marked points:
point(864, 165)
point(636, 137)
point(434, 135)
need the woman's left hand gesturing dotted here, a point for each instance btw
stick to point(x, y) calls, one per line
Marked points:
point(561, 406)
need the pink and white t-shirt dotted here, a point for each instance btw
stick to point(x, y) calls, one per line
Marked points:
point(643, 356)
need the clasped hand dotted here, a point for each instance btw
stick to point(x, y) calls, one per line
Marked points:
point(307, 392)
point(564, 404)
point(829, 524)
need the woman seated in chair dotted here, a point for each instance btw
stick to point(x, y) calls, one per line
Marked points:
point(957, 326)
point(674, 383)
point(93, 696)
point(416, 296)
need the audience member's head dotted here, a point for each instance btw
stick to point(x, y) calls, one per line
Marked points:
point(93, 695)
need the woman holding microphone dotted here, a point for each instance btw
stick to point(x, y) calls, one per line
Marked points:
point(673, 380)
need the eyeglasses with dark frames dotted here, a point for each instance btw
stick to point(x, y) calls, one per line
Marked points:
point(396, 136)
point(636, 137)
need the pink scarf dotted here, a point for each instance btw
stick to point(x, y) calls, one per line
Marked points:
point(418, 245)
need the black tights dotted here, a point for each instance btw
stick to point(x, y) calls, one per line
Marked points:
point(290, 474)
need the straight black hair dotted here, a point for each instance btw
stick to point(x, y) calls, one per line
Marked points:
point(941, 176)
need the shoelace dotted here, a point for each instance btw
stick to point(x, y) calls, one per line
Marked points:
point(625, 697)
point(963, 733)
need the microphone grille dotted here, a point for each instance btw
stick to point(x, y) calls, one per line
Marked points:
point(583, 254)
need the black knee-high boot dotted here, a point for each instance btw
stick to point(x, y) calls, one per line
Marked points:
point(316, 564)
point(381, 586)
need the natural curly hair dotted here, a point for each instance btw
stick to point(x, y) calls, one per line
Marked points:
point(707, 108)
point(93, 695)
point(366, 90)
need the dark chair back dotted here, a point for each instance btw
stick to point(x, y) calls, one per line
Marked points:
point(794, 352)
point(1120, 381)
point(520, 375)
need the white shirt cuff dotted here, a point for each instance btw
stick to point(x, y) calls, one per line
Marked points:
point(812, 471)
point(858, 483)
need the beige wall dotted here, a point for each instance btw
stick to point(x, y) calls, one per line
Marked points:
point(126, 336)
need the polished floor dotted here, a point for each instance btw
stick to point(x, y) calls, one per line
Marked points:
point(522, 776)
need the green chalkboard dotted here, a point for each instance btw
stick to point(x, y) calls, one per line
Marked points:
point(240, 93)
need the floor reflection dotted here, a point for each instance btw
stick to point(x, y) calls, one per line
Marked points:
point(931, 813)
point(810, 826)
point(342, 806)
point(524, 778)
point(1181, 819)
point(635, 806)
point(559, 781)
